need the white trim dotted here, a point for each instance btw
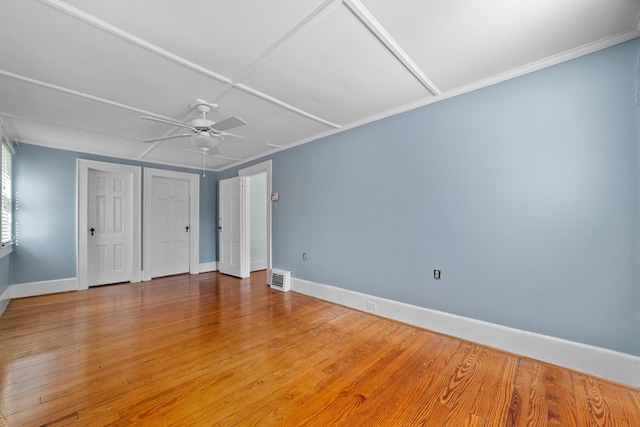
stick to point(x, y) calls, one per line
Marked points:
point(105, 26)
point(245, 226)
point(82, 184)
point(620, 367)
point(6, 250)
point(194, 217)
point(31, 289)
point(385, 38)
point(206, 267)
point(79, 94)
point(264, 167)
point(280, 103)
point(5, 299)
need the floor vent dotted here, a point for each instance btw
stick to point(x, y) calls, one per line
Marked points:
point(280, 280)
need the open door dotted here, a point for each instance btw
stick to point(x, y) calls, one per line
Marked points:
point(233, 227)
point(259, 168)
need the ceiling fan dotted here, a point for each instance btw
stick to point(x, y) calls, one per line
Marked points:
point(205, 134)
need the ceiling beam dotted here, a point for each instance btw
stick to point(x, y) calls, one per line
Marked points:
point(310, 20)
point(376, 28)
point(80, 94)
point(105, 26)
point(98, 23)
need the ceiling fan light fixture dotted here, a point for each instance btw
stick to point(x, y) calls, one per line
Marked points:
point(204, 140)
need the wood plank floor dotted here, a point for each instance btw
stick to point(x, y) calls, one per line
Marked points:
point(213, 350)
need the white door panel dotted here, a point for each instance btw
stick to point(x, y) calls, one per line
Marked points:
point(108, 221)
point(170, 232)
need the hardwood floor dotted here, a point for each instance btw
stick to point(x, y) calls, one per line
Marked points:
point(212, 350)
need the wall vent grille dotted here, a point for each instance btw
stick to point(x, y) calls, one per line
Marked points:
point(280, 280)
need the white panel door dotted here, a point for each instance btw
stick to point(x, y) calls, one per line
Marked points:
point(233, 226)
point(170, 232)
point(108, 240)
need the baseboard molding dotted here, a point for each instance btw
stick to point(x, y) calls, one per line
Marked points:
point(615, 366)
point(208, 266)
point(23, 290)
point(259, 265)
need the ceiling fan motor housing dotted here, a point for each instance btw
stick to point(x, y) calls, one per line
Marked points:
point(201, 124)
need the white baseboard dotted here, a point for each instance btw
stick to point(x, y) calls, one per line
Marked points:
point(620, 367)
point(23, 290)
point(258, 265)
point(208, 266)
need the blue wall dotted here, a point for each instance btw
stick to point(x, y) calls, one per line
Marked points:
point(525, 194)
point(45, 212)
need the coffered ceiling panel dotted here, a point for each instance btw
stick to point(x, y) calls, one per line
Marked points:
point(33, 102)
point(221, 35)
point(74, 139)
point(269, 122)
point(58, 49)
point(457, 43)
point(78, 74)
point(351, 75)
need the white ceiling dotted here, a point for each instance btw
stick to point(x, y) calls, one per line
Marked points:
point(77, 74)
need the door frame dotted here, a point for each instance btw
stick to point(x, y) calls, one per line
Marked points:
point(256, 169)
point(194, 218)
point(82, 216)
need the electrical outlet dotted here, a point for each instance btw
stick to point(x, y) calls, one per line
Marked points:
point(371, 305)
point(436, 274)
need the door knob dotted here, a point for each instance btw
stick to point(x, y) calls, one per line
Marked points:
point(187, 228)
point(92, 230)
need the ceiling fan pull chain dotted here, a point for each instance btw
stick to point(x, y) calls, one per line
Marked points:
point(204, 160)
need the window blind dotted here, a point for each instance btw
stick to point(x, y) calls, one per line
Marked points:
point(6, 219)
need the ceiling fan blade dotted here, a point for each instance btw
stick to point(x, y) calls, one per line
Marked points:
point(229, 123)
point(170, 122)
point(162, 138)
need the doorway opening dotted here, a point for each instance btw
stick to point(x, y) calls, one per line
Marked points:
point(263, 179)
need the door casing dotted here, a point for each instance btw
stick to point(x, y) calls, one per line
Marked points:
point(256, 169)
point(194, 217)
point(82, 216)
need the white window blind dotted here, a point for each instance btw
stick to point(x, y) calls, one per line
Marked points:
point(6, 219)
